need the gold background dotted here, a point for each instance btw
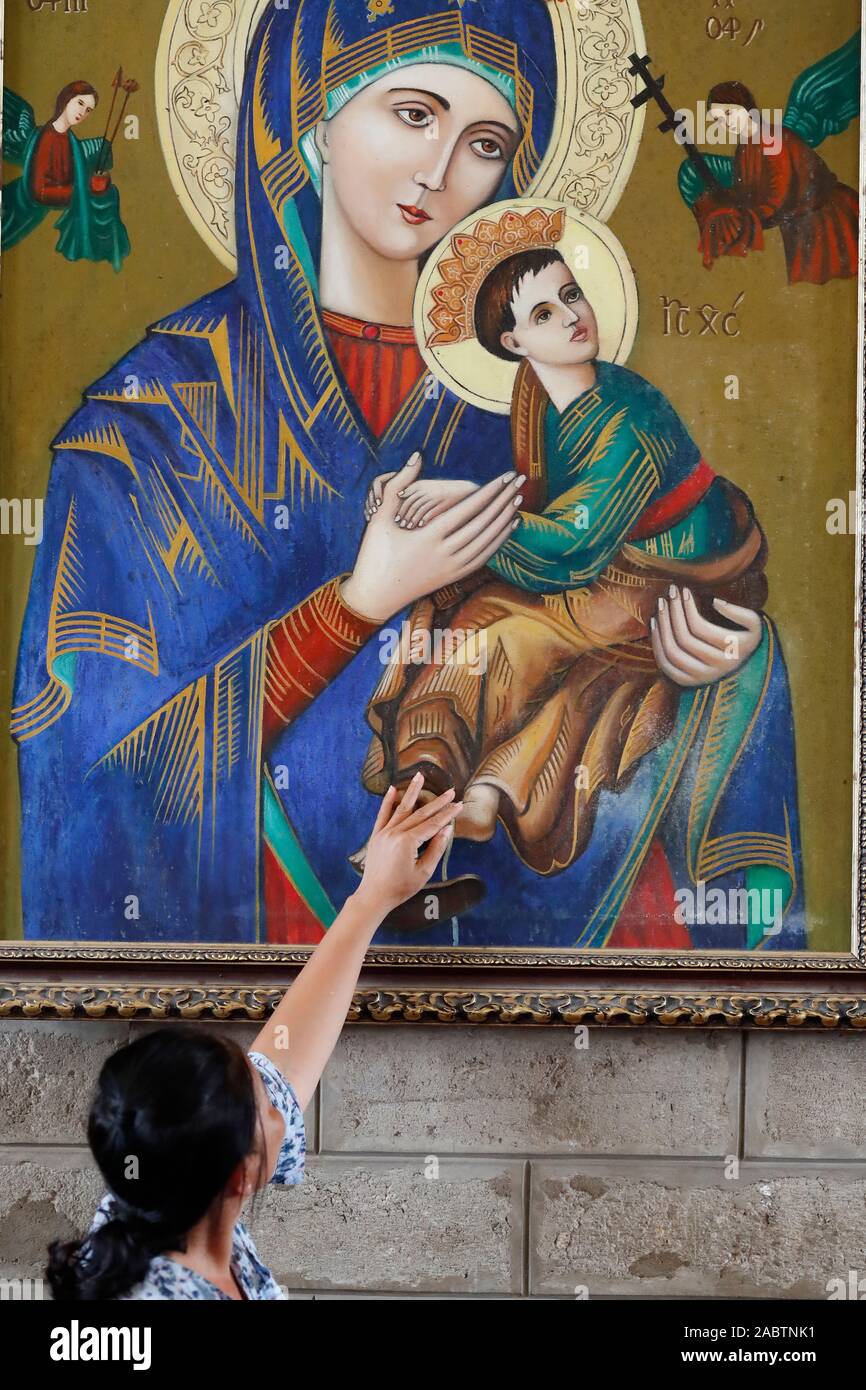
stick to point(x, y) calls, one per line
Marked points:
point(789, 441)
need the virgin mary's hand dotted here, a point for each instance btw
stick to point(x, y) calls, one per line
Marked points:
point(692, 651)
point(396, 566)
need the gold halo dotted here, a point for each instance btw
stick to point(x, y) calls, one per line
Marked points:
point(600, 265)
point(199, 75)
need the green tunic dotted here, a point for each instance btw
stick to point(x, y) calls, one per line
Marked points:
point(616, 449)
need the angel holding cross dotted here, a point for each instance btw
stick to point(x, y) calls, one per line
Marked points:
point(63, 172)
point(775, 179)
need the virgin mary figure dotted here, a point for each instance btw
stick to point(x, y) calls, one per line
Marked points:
point(199, 641)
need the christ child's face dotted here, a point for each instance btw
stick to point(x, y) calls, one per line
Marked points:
point(415, 152)
point(79, 107)
point(735, 118)
point(554, 322)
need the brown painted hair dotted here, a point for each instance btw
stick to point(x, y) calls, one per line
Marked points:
point(494, 314)
point(73, 89)
point(731, 94)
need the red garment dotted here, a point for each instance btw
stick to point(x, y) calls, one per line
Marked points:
point(793, 190)
point(52, 170)
point(675, 505)
point(312, 644)
point(647, 919)
point(380, 364)
point(307, 649)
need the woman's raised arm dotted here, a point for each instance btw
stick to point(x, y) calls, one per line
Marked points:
point(402, 854)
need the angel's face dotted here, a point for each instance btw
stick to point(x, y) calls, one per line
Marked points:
point(735, 119)
point(78, 108)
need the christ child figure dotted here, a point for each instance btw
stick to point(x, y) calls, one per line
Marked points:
point(543, 689)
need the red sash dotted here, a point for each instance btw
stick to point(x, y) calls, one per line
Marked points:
point(675, 505)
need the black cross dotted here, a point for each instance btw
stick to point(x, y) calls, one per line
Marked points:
point(652, 91)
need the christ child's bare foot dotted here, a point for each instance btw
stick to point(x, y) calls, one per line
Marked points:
point(477, 820)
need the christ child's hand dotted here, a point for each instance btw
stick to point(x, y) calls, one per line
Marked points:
point(427, 498)
point(373, 500)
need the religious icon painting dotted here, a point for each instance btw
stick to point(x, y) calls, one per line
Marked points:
point(481, 396)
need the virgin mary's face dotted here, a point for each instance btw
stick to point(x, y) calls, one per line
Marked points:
point(415, 152)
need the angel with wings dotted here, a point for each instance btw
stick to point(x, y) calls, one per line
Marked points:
point(64, 173)
point(784, 183)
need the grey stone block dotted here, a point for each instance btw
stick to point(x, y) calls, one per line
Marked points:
point(45, 1194)
point(381, 1224)
point(48, 1071)
point(806, 1096)
point(679, 1229)
point(527, 1091)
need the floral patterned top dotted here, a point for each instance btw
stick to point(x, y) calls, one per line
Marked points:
point(168, 1280)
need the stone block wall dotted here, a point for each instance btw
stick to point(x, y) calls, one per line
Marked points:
point(508, 1162)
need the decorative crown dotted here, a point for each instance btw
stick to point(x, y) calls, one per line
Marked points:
point(476, 254)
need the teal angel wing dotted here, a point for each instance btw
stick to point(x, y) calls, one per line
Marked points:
point(97, 150)
point(18, 125)
point(690, 179)
point(826, 97)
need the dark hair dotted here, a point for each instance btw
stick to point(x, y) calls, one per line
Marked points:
point(174, 1114)
point(494, 314)
point(73, 89)
point(731, 94)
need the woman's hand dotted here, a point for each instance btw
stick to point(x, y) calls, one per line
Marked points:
point(395, 867)
point(424, 500)
point(396, 566)
point(692, 651)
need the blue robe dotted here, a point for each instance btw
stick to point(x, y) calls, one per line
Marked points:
point(215, 477)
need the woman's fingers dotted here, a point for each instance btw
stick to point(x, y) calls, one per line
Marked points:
point(701, 627)
point(481, 504)
point(430, 511)
point(428, 862)
point(500, 511)
point(386, 806)
point(746, 617)
point(430, 810)
point(682, 630)
point(431, 827)
point(488, 543)
point(397, 482)
point(409, 798)
point(681, 660)
point(663, 662)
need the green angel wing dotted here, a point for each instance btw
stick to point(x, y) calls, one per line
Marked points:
point(690, 180)
point(18, 125)
point(826, 97)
